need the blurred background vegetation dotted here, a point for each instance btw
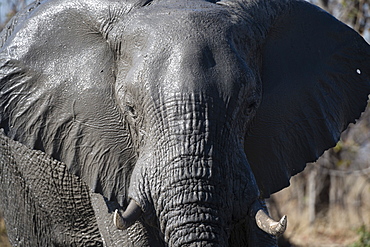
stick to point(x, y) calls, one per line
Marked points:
point(329, 203)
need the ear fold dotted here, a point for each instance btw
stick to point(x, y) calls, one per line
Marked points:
point(316, 80)
point(57, 76)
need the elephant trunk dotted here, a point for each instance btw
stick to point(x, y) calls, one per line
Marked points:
point(196, 227)
point(194, 203)
point(192, 211)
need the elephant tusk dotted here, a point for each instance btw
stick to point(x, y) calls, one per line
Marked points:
point(128, 218)
point(264, 221)
point(268, 225)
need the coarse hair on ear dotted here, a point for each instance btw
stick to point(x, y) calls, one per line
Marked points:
point(315, 81)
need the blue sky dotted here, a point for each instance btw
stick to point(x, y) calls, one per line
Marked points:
point(5, 6)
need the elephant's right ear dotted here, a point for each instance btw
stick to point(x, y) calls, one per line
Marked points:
point(315, 81)
point(57, 79)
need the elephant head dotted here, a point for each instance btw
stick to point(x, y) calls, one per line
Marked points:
point(187, 113)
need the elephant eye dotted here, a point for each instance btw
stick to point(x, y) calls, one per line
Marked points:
point(131, 110)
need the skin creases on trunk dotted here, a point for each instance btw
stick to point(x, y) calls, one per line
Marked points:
point(192, 207)
point(188, 196)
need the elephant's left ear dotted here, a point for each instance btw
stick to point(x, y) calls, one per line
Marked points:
point(315, 80)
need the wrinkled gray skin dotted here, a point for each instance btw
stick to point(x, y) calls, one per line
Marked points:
point(193, 109)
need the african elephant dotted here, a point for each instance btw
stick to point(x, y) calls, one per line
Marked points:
point(171, 120)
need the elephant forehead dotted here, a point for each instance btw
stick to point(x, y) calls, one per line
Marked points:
point(190, 47)
point(173, 18)
point(163, 27)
